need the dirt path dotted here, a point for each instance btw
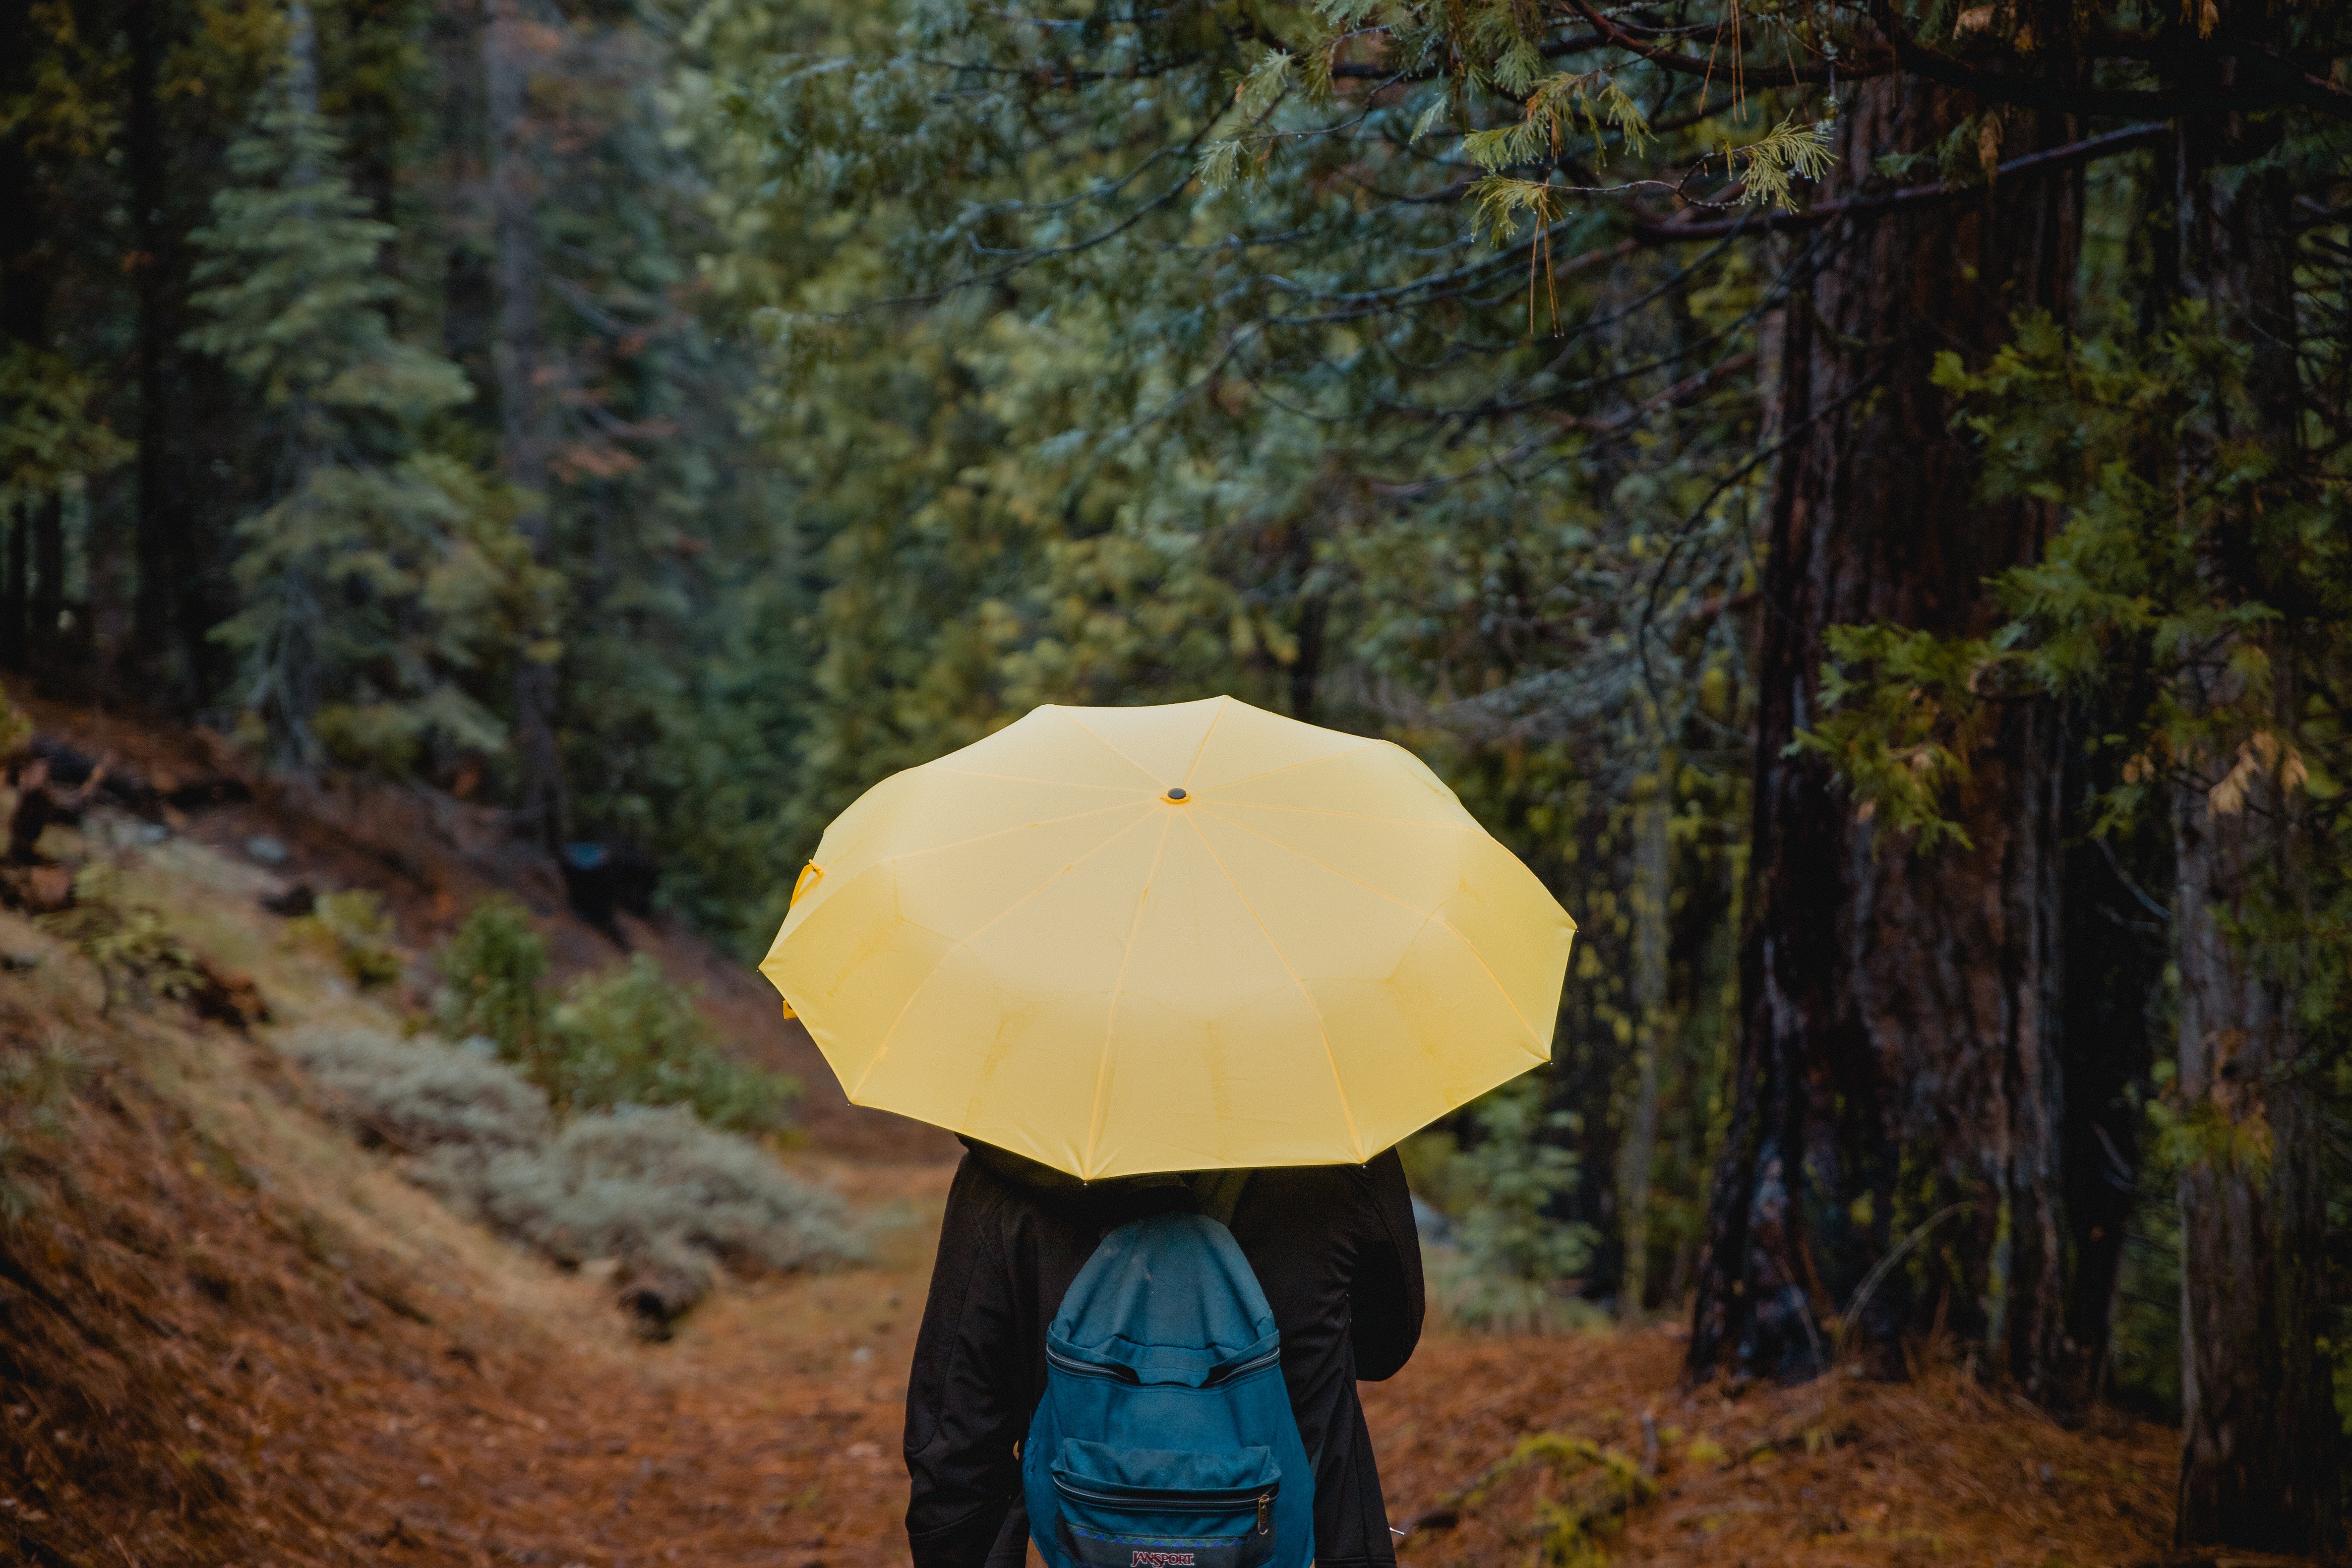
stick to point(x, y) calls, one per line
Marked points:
point(340, 1372)
point(768, 1433)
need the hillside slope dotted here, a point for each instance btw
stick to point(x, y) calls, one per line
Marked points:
point(227, 1334)
point(430, 856)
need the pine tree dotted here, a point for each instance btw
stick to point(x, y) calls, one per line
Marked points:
point(382, 579)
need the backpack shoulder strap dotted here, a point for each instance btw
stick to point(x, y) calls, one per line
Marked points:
point(1218, 1194)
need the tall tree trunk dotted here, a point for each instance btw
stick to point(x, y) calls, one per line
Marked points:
point(2117, 940)
point(1898, 1054)
point(1306, 668)
point(469, 290)
point(538, 762)
point(2260, 1433)
point(47, 597)
point(2259, 1430)
point(153, 537)
point(1652, 1026)
point(23, 299)
point(12, 607)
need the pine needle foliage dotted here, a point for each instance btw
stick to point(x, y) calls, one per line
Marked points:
point(49, 437)
point(1773, 163)
point(383, 573)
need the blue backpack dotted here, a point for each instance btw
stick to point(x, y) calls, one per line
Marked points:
point(1165, 1438)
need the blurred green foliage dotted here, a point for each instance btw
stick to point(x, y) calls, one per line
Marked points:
point(490, 974)
point(138, 956)
point(1510, 1261)
point(628, 1035)
point(356, 927)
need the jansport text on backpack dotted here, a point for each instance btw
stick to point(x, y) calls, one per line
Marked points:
point(1165, 1438)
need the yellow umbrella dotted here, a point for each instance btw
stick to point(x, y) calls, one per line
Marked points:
point(1190, 937)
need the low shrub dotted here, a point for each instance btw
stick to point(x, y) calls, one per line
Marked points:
point(626, 1037)
point(1509, 1264)
point(490, 974)
point(635, 1182)
point(629, 1036)
point(669, 1199)
point(357, 929)
point(420, 1095)
point(138, 958)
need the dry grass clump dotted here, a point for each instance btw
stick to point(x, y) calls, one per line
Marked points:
point(666, 1199)
point(621, 1180)
point(423, 1098)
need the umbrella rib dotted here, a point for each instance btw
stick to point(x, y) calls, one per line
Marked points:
point(1346, 815)
point(1030, 778)
point(1024, 827)
point(1355, 1136)
point(1111, 1019)
point(1429, 916)
point(964, 941)
point(1290, 767)
point(1114, 750)
point(1224, 704)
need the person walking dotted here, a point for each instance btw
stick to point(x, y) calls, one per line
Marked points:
point(1180, 977)
point(1333, 1246)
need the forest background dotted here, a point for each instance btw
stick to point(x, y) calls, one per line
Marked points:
point(1854, 494)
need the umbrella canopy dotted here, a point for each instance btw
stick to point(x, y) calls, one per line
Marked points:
point(1189, 937)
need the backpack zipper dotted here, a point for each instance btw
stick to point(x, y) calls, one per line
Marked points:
point(1061, 1363)
point(1242, 1500)
point(1231, 1372)
point(1055, 1359)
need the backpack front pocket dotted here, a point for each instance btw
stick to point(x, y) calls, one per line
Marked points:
point(1142, 1508)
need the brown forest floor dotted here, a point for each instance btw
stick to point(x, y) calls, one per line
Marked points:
point(227, 1335)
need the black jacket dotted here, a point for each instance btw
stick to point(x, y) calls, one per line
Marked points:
point(1333, 1246)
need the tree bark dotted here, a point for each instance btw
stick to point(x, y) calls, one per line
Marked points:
point(160, 522)
point(2259, 1430)
point(24, 301)
point(469, 289)
point(538, 762)
point(2118, 941)
point(1898, 1053)
point(45, 599)
point(1307, 669)
point(2260, 1434)
point(12, 607)
point(1652, 893)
